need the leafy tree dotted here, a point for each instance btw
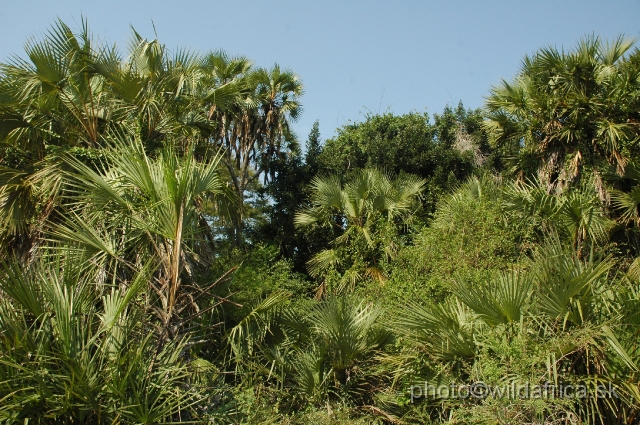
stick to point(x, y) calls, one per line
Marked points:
point(443, 153)
point(471, 236)
point(313, 149)
point(287, 192)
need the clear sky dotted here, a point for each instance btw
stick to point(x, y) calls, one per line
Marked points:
point(353, 56)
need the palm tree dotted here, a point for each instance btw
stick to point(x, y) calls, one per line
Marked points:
point(255, 129)
point(53, 100)
point(568, 110)
point(56, 96)
point(344, 333)
point(556, 317)
point(629, 205)
point(164, 94)
point(364, 213)
point(72, 92)
point(155, 205)
point(278, 92)
point(446, 331)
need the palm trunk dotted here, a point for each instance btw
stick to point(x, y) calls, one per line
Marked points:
point(174, 270)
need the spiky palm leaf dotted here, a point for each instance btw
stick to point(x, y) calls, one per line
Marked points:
point(505, 300)
point(444, 331)
point(565, 283)
point(628, 203)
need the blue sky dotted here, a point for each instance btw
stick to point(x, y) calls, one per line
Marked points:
point(353, 56)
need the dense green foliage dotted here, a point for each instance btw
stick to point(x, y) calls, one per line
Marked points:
point(170, 254)
point(444, 152)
